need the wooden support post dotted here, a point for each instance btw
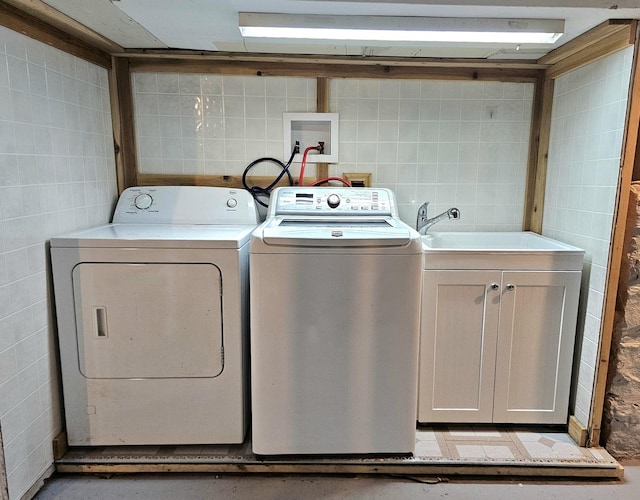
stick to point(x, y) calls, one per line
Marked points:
point(538, 155)
point(123, 123)
point(322, 106)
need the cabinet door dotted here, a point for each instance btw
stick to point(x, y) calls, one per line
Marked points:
point(535, 346)
point(458, 345)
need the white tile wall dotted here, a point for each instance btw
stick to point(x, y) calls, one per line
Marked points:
point(462, 144)
point(57, 173)
point(587, 128)
point(212, 124)
point(449, 143)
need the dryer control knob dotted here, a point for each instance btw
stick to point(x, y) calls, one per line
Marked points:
point(232, 203)
point(333, 200)
point(143, 201)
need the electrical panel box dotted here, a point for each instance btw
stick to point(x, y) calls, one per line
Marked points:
point(309, 129)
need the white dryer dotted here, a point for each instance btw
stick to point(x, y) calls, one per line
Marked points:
point(152, 314)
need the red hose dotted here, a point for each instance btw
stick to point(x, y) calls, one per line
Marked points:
point(304, 162)
point(326, 179)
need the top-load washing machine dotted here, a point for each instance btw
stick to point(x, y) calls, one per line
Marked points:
point(152, 314)
point(335, 310)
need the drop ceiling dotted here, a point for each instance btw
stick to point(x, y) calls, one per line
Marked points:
point(212, 25)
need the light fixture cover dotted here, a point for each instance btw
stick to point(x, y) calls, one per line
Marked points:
point(400, 29)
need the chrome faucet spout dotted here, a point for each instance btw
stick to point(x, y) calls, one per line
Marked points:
point(423, 223)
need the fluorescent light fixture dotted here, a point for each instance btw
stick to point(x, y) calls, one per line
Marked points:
point(400, 29)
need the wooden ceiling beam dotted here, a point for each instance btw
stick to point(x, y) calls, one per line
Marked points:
point(21, 22)
point(599, 42)
point(462, 71)
point(44, 12)
point(159, 55)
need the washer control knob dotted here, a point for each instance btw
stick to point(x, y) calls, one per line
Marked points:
point(232, 203)
point(143, 201)
point(333, 200)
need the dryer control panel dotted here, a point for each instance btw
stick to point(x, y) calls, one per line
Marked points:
point(327, 201)
point(185, 205)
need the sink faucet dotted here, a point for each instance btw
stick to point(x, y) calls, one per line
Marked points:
point(423, 223)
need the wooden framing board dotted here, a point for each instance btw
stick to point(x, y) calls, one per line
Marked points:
point(592, 37)
point(334, 69)
point(228, 181)
point(319, 60)
point(577, 432)
point(627, 164)
point(60, 445)
point(302, 467)
point(322, 106)
point(123, 124)
point(54, 17)
point(599, 42)
point(538, 155)
point(28, 25)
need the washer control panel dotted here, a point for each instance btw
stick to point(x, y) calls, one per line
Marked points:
point(328, 201)
point(185, 205)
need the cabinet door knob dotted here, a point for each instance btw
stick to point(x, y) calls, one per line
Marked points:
point(511, 287)
point(494, 286)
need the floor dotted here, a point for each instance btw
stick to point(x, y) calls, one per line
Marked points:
point(448, 462)
point(253, 486)
point(451, 450)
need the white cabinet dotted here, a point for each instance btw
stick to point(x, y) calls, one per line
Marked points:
point(497, 345)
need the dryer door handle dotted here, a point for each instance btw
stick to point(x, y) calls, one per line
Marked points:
point(101, 327)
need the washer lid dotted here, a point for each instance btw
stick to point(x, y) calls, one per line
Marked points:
point(337, 232)
point(157, 236)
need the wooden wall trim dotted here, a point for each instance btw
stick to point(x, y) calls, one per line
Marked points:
point(592, 37)
point(538, 155)
point(322, 106)
point(601, 41)
point(627, 163)
point(228, 181)
point(327, 69)
point(415, 62)
point(577, 432)
point(54, 17)
point(28, 25)
point(123, 124)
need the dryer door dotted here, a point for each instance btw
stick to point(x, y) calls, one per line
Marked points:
point(148, 320)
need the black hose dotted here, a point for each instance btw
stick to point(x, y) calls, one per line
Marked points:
point(257, 191)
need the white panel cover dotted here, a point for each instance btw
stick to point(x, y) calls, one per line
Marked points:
point(154, 320)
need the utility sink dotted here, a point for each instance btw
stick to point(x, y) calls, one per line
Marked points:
point(498, 250)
